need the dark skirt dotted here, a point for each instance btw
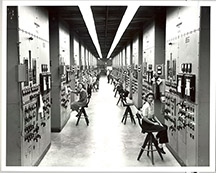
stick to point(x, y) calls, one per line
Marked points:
point(76, 105)
point(162, 131)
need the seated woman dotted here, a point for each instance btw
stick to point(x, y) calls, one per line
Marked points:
point(150, 121)
point(119, 88)
point(94, 83)
point(82, 98)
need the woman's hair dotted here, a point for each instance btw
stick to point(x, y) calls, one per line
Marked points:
point(83, 86)
point(146, 96)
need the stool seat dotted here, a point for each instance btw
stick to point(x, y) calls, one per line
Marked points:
point(129, 104)
point(149, 131)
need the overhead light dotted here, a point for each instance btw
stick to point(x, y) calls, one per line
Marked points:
point(89, 21)
point(128, 16)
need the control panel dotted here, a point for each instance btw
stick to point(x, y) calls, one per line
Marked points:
point(180, 115)
point(46, 109)
point(35, 127)
point(116, 73)
point(170, 111)
point(35, 118)
point(134, 85)
point(30, 132)
point(170, 115)
point(127, 78)
point(30, 93)
point(146, 87)
point(30, 120)
point(65, 97)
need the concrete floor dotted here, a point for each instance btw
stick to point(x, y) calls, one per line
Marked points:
point(106, 142)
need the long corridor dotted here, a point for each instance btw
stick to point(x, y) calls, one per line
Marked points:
point(106, 142)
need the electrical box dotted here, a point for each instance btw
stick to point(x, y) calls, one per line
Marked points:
point(180, 85)
point(45, 83)
point(68, 74)
point(159, 69)
point(44, 67)
point(189, 89)
point(149, 76)
point(183, 68)
point(22, 76)
point(49, 82)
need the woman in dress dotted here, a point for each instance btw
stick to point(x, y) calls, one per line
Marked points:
point(151, 122)
point(82, 98)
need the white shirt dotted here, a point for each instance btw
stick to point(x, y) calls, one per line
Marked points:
point(148, 110)
point(94, 79)
point(90, 80)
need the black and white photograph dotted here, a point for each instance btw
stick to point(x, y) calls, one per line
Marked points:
point(108, 86)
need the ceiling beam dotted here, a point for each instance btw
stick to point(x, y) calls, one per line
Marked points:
point(106, 21)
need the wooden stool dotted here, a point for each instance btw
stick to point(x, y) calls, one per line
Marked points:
point(122, 99)
point(116, 91)
point(82, 111)
point(150, 140)
point(128, 110)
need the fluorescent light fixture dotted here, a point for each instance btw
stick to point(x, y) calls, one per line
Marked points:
point(128, 16)
point(89, 21)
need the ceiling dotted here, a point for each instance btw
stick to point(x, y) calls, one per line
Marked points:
point(107, 20)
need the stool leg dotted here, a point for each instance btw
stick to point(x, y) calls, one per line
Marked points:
point(126, 114)
point(131, 116)
point(156, 145)
point(123, 118)
point(79, 116)
point(118, 101)
point(86, 117)
point(143, 147)
point(151, 149)
point(115, 93)
point(148, 148)
point(122, 101)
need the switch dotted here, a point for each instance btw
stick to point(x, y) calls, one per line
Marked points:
point(36, 129)
point(43, 124)
point(34, 114)
point(179, 127)
point(36, 137)
point(26, 110)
